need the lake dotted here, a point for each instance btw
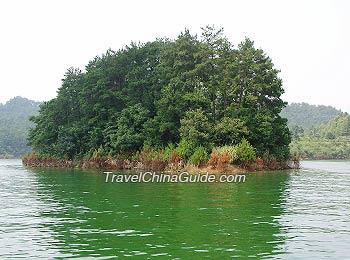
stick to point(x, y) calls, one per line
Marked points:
point(70, 213)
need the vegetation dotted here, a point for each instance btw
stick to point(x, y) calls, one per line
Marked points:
point(14, 126)
point(307, 116)
point(174, 99)
point(328, 141)
point(199, 157)
point(245, 152)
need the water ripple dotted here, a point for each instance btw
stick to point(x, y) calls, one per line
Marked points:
point(58, 214)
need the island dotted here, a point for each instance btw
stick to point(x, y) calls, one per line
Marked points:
point(195, 101)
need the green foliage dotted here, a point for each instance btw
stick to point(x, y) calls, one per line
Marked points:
point(129, 131)
point(269, 135)
point(297, 132)
point(168, 151)
point(328, 141)
point(322, 148)
point(15, 124)
point(245, 151)
point(199, 156)
point(184, 149)
point(307, 116)
point(195, 128)
point(153, 133)
point(192, 91)
point(147, 153)
point(229, 131)
point(229, 149)
point(68, 141)
point(339, 126)
point(98, 153)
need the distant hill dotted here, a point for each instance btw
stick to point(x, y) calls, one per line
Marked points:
point(306, 116)
point(338, 126)
point(14, 125)
point(328, 141)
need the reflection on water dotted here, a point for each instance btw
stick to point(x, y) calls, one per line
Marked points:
point(275, 215)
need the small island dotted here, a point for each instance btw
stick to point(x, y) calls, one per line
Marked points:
point(196, 101)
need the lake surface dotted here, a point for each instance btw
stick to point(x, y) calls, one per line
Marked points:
point(56, 214)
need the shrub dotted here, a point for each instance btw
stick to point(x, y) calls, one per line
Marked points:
point(199, 157)
point(152, 159)
point(184, 149)
point(148, 154)
point(168, 152)
point(135, 156)
point(99, 153)
point(214, 158)
point(231, 150)
point(174, 158)
point(223, 160)
point(219, 160)
point(258, 164)
point(245, 152)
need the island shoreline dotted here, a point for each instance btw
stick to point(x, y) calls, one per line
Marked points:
point(108, 163)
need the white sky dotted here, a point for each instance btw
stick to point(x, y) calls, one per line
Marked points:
point(307, 40)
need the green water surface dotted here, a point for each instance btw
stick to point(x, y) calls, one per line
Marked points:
point(60, 214)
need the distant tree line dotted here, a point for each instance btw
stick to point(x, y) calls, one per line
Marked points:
point(14, 126)
point(327, 141)
point(192, 93)
point(307, 116)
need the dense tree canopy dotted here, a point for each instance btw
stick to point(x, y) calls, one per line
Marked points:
point(196, 90)
point(307, 116)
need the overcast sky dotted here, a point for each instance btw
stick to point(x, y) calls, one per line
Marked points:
point(307, 40)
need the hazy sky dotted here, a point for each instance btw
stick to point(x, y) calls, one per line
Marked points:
point(307, 40)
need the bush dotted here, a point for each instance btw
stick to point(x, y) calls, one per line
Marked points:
point(174, 158)
point(151, 159)
point(245, 151)
point(99, 153)
point(199, 157)
point(223, 161)
point(184, 149)
point(135, 156)
point(148, 154)
point(221, 156)
point(219, 160)
point(168, 152)
point(229, 149)
point(214, 158)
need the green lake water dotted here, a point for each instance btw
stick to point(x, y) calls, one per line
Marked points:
point(60, 214)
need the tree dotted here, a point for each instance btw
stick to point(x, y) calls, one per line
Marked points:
point(191, 92)
point(297, 131)
point(129, 134)
point(258, 100)
point(216, 51)
point(229, 131)
point(182, 89)
point(195, 129)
